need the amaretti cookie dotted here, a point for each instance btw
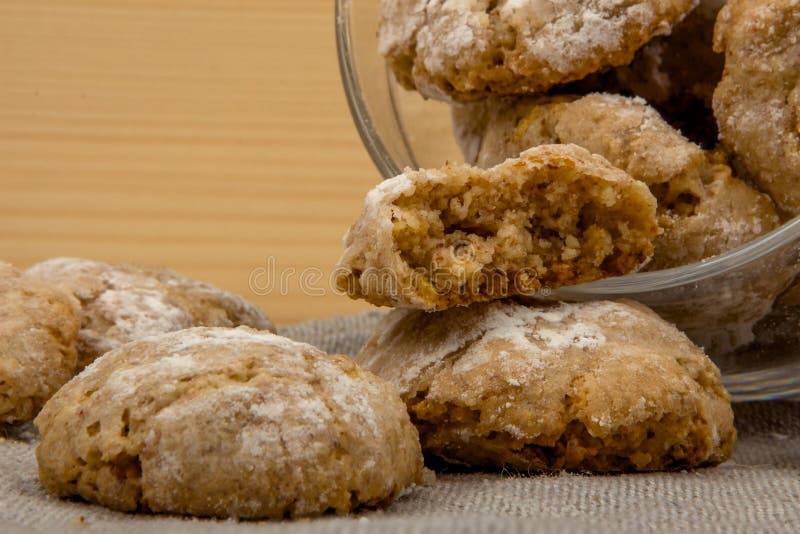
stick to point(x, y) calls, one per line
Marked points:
point(227, 423)
point(555, 216)
point(675, 73)
point(38, 331)
point(758, 100)
point(122, 303)
point(471, 48)
point(600, 386)
point(703, 209)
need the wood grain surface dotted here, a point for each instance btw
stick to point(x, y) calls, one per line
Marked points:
point(207, 136)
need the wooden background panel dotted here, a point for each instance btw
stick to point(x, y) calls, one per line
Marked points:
point(207, 136)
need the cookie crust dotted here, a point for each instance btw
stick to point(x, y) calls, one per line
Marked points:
point(758, 100)
point(122, 303)
point(675, 73)
point(38, 332)
point(469, 49)
point(602, 386)
point(227, 423)
point(703, 209)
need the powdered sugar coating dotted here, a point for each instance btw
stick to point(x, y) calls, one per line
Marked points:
point(703, 209)
point(675, 73)
point(122, 303)
point(227, 422)
point(540, 334)
point(38, 330)
point(464, 49)
point(383, 261)
point(595, 385)
point(757, 103)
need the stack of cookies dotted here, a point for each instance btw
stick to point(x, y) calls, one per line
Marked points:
point(159, 393)
point(492, 380)
point(568, 115)
point(697, 99)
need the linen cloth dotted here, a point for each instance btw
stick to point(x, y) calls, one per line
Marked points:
point(758, 490)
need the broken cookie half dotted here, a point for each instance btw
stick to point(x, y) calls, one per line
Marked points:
point(555, 216)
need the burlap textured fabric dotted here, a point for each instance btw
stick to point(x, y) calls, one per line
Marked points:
point(758, 490)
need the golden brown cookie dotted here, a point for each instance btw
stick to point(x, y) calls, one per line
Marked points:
point(702, 208)
point(556, 216)
point(122, 303)
point(758, 100)
point(228, 423)
point(38, 330)
point(601, 386)
point(676, 74)
point(471, 48)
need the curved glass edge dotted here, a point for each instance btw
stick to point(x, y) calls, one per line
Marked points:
point(735, 259)
point(358, 108)
point(619, 286)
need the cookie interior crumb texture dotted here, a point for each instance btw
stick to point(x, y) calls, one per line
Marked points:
point(38, 332)
point(467, 49)
point(703, 209)
point(122, 303)
point(438, 238)
point(227, 423)
point(602, 386)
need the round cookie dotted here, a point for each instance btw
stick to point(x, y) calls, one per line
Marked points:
point(38, 330)
point(703, 210)
point(472, 48)
point(438, 238)
point(758, 100)
point(676, 74)
point(601, 386)
point(227, 423)
point(122, 303)
point(729, 213)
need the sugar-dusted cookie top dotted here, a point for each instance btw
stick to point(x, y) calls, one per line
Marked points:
point(758, 100)
point(38, 332)
point(599, 386)
point(466, 49)
point(122, 303)
point(703, 209)
point(675, 73)
point(227, 423)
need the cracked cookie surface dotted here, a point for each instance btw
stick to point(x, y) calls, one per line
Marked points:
point(675, 73)
point(467, 49)
point(757, 103)
point(122, 303)
point(600, 386)
point(703, 209)
point(438, 238)
point(38, 332)
point(227, 423)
